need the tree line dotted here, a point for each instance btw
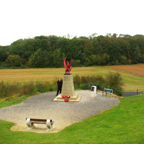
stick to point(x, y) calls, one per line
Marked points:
point(49, 51)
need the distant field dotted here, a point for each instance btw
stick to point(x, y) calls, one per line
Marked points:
point(135, 69)
point(132, 81)
point(47, 74)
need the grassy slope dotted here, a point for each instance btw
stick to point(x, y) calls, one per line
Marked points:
point(132, 81)
point(121, 124)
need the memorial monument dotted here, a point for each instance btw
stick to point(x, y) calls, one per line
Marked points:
point(68, 93)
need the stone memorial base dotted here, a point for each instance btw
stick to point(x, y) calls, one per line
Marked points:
point(75, 98)
point(68, 90)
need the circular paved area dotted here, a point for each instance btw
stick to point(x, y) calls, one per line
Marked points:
point(62, 113)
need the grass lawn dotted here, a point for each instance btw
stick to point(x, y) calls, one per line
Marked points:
point(132, 81)
point(121, 124)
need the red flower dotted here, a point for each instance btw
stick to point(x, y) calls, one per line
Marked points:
point(66, 100)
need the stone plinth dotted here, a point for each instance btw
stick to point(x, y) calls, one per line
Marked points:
point(68, 89)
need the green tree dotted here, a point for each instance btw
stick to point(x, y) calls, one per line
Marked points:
point(98, 60)
point(86, 61)
point(58, 58)
point(14, 60)
point(40, 59)
point(25, 48)
point(136, 55)
point(17, 48)
point(3, 53)
point(105, 59)
point(89, 46)
point(93, 59)
point(135, 52)
point(53, 40)
point(125, 48)
point(114, 35)
point(114, 81)
point(123, 59)
point(141, 59)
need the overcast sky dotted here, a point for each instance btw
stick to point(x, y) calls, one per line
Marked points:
point(21, 19)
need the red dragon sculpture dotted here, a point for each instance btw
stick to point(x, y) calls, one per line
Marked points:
point(68, 66)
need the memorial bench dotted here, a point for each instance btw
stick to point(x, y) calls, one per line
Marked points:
point(30, 122)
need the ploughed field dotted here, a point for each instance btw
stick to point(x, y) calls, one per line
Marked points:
point(133, 79)
point(135, 69)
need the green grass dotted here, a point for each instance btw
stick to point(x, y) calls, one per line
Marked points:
point(121, 124)
point(132, 82)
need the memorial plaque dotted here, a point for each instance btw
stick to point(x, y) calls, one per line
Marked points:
point(108, 90)
point(92, 88)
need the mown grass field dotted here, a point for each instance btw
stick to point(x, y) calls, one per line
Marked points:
point(132, 81)
point(121, 124)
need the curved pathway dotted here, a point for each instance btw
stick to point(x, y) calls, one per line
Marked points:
point(63, 113)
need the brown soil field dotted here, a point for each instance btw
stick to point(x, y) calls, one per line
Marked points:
point(135, 69)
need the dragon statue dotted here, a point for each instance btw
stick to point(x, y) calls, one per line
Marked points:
point(68, 67)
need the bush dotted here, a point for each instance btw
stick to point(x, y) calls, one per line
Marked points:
point(87, 86)
point(114, 81)
point(75, 63)
point(100, 80)
point(51, 88)
point(7, 89)
point(85, 82)
point(16, 88)
point(118, 92)
point(77, 80)
point(88, 79)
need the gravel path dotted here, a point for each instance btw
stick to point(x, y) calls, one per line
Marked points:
point(63, 113)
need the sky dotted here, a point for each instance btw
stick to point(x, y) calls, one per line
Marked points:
point(20, 19)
